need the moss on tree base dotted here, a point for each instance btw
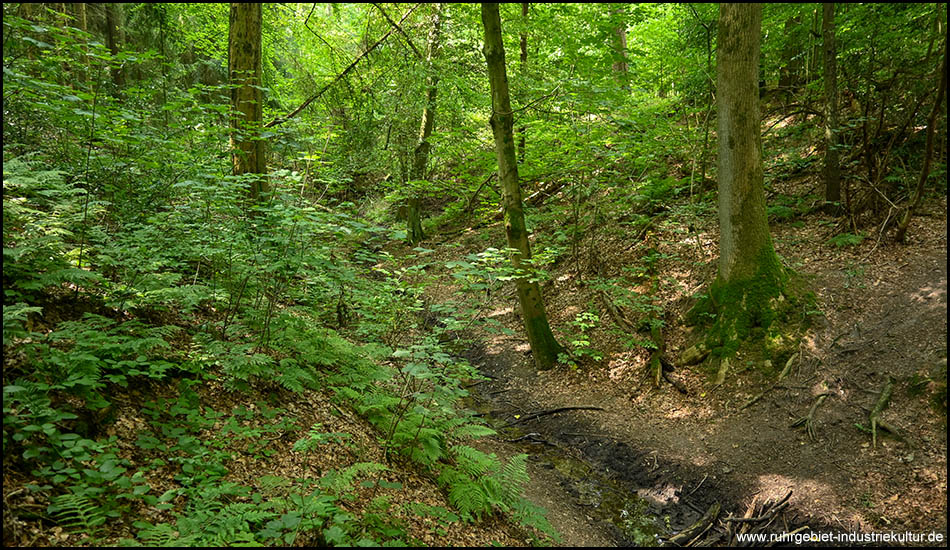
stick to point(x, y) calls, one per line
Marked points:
point(764, 313)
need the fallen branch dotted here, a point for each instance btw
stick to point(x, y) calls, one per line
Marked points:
point(697, 528)
point(675, 383)
point(534, 437)
point(471, 201)
point(767, 513)
point(539, 414)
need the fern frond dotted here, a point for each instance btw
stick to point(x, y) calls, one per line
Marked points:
point(342, 481)
point(76, 512)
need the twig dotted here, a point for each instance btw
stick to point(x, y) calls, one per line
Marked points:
point(698, 486)
point(398, 28)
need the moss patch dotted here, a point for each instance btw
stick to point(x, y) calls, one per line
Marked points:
point(764, 313)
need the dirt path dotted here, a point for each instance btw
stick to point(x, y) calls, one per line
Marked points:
point(885, 313)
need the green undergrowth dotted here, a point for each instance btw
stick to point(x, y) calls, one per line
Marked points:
point(112, 317)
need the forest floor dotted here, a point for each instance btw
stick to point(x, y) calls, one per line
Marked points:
point(883, 314)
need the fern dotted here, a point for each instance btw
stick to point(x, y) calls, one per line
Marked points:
point(472, 461)
point(471, 431)
point(77, 512)
point(339, 482)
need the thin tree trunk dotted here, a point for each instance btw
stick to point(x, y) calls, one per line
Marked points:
point(832, 171)
point(421, 153)
point(522, 130)
point(620, 47)
point(544, 347)
point(932, 122)
point(114, 38)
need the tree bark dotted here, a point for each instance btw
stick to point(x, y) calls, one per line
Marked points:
point(750, 273)
point(421, 154)
point(832, 171)
point(114, 38)
point(620, 48)
point(244, 75)
point(544, 347)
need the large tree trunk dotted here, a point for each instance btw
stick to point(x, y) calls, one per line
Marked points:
point(244, 75)
point(832, 170)
point(421, 154)
point(750, 273)
point(544, 347)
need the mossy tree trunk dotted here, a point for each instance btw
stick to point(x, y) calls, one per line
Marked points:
point(544, 347)
point(420, 156)
point(244, 74)
point(751, 277)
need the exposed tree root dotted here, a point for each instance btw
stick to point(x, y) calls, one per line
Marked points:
point(694, 354)
point(875, 417)
point(615, 312)
point(723, 370)
point(809, 420)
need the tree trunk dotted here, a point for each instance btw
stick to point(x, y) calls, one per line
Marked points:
point(114, 38)
point(620, 48)
point(421, 154)
point(544, 347)
point(832, 169)
point(522, 130)
point(750, 273)
point(932, 122)
point(244, 75)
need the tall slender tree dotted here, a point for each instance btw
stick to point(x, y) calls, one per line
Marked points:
point(932, 122)
point(544, 347)
point(832, 170)
point(244, 76)
point(420, 157)
point(522, 130)
point(750, 273)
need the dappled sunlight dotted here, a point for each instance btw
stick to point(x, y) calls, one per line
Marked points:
point(623, 366)
point(500, 311)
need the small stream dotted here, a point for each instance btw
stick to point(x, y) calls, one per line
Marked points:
point(601, 497)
